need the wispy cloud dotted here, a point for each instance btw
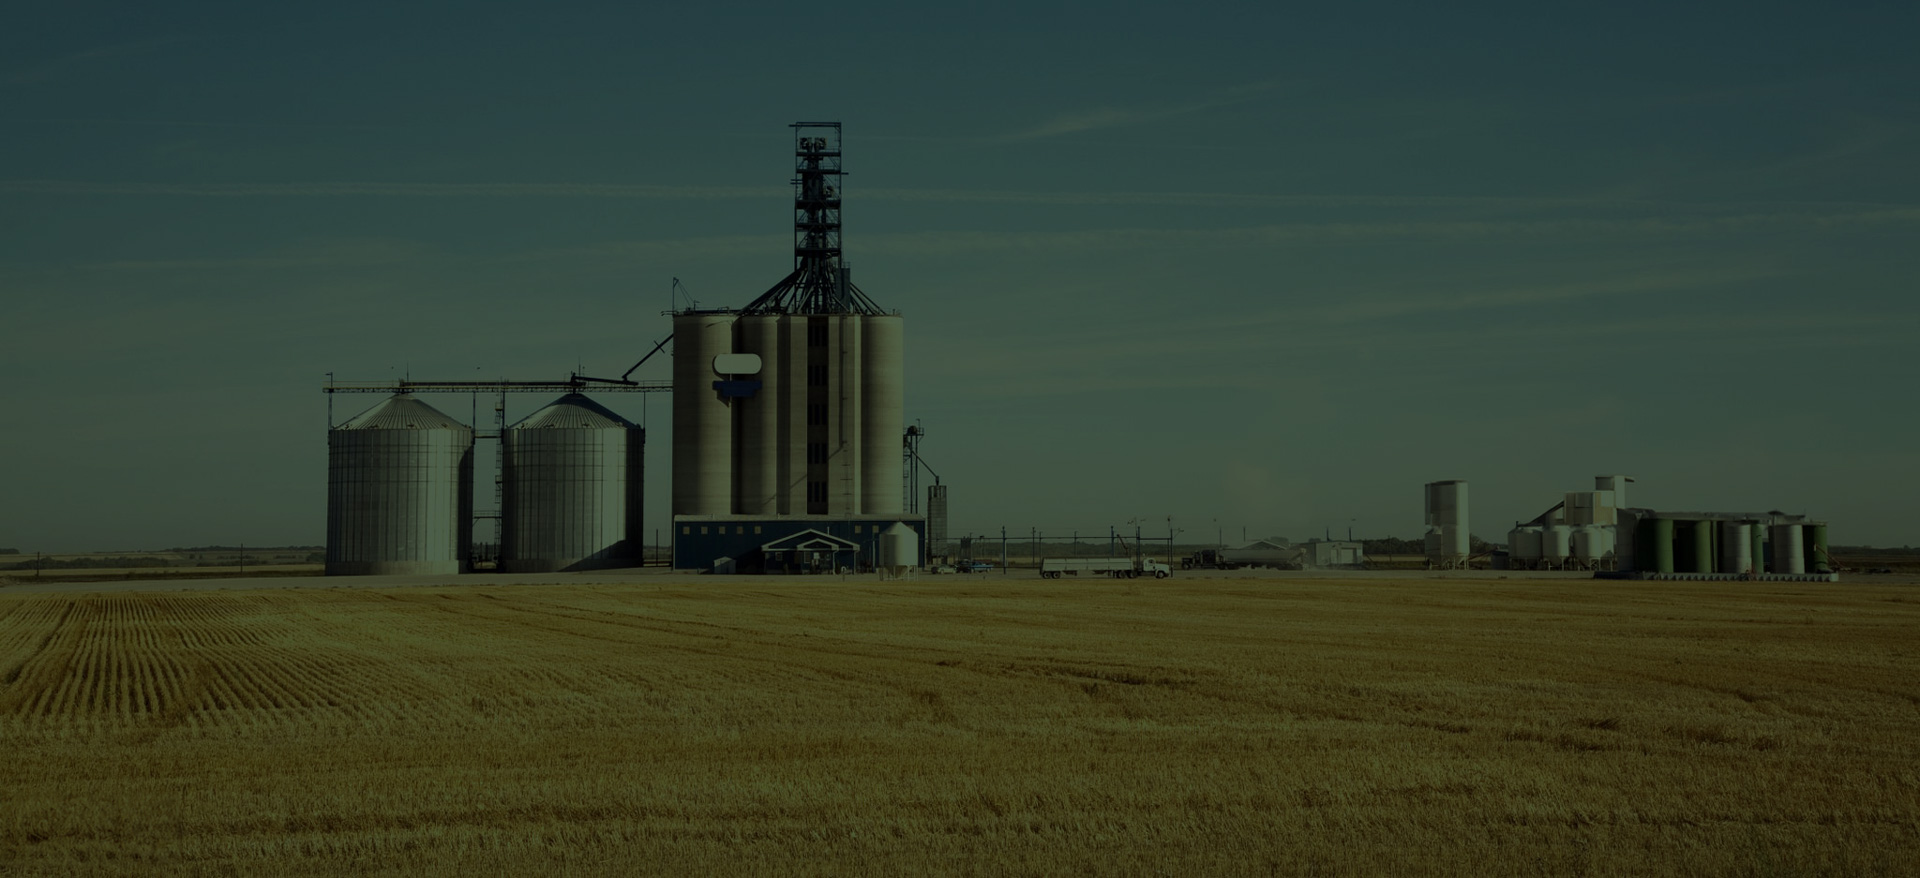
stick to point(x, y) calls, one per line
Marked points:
point(1111, 117)
point(49, 70)
point(1699, 211)
point(405, 190)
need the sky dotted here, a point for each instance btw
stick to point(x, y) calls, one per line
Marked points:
point(1225, 268)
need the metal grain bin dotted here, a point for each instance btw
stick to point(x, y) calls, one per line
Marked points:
point(571, 489)
point(399, 491)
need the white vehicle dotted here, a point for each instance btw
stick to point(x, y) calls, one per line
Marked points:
point(1118, 568)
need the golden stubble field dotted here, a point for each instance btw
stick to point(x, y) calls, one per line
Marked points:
point(1187, 726)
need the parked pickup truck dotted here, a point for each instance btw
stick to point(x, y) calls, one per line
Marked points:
point(1118, 568)
point(976, 567)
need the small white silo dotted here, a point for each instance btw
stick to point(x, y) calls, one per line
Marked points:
point(899, 549)
point(1556, 544)
point(571, 476)
point(399, 491)
point(1524, 546)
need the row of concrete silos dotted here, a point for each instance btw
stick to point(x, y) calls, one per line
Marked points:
point(787, 414)
point(400, 490)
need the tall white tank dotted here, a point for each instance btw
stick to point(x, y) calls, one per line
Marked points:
point(1736, 547)
point(882, 416)
point(1446, 508)
point(794, 378)
point(1789, 556)
point(761, 434)
point(399, 491)
point(571, 489)
point(702, 421)
point(1556, 544)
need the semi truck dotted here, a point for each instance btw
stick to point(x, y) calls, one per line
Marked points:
point(1118, 568)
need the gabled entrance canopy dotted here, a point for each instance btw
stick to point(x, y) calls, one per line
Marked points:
point(810, 541)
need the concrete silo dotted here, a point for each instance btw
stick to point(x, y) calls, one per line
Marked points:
point(571, 477)
point(882, 419)
point(399, 491)
point(702, 420)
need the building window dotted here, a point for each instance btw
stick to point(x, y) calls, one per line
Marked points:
point(686, 531)
point(756, 528)
point(856, 528)
point(703, 530)
point(740, 530)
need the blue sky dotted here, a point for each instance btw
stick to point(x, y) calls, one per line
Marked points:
point(1237, 265)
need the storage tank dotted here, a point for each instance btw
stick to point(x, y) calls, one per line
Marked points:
point(899, 549)
point(1448, 542)
point(702, 421)
point(1587, 544)
point(399, 491)
point(1736, 547)
point(1789, 555)
point(1699, 543)
point(1524, 546)
point(571, 476)
point(882, 417)
point(1813, 545)
point(1556, 544)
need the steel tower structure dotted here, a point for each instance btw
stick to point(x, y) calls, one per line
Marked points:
point(820, 282)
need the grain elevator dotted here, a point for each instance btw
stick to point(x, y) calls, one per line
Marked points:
point(788, 412)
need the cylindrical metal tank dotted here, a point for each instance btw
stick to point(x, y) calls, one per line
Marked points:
point(1446, 510)
point(1813, 538)
point(1757, 555)
point(1736, 546)
point(882, 416)
point(702, 421)
point(1699, 546)
point(1789, 554)
point(571, 476)
point(1556, 544)
point(1662, 544)
point(399, 491)
point(760, 427)
point(1591, 543)
point(899, 548)
point(1524, 546)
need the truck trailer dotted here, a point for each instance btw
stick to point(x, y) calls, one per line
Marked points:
point(1118, 568)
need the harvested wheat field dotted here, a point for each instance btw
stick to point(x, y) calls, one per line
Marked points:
point(1005, 726)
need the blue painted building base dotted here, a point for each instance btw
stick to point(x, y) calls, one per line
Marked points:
point(786, 544)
